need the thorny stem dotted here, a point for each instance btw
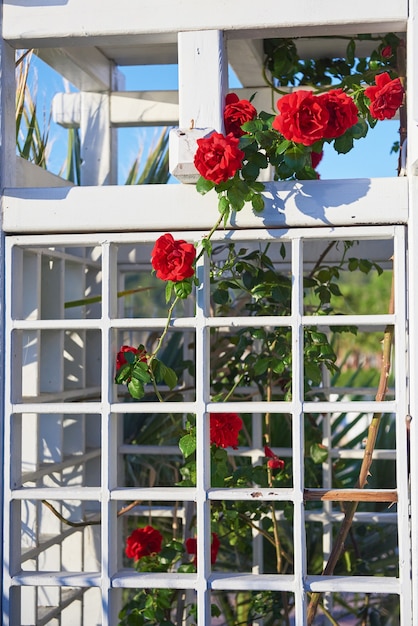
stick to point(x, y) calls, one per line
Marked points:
point(351, 507)
point(84, 523)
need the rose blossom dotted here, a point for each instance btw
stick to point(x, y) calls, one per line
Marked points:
point(173, 258)
point(224, 429)
point(121, 359)
point(316, 158)
point(236, 113)
point(143, 542)
point(191, 547)
point(218, 157)
point(385, 97)
point(343, 112)
point(273, 460)
point(303, 117)
point(386, 52)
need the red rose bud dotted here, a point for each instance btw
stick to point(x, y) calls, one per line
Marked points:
point(387, 52)
point(385, 97)
point(275, 463)
point(143, 542)
point(218, 157)
point(273, 460)
point(224, 429)
point(236, 113)
point(121, 359)
point(173, 259)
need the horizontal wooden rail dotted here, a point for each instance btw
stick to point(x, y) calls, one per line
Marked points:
point(351, 495)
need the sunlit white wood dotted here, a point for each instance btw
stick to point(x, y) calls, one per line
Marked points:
point(31, 175)
point(28, 25)
point(84, 66)
point(95, 140)
point(354, 584)
point(412, 169)
point(298, 433)
point(303, 204)
point(273, 582)
point(400, 370)
point(203, 78)
point(131, 578)
point(203, 460)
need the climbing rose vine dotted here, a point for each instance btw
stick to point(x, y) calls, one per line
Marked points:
point(337, 109)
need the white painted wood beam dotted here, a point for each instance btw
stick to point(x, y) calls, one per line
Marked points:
point(144, 108)
point(31, 175)
point(85, 67)
point(29, 24)
point(288, 204)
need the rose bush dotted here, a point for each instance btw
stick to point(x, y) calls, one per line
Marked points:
point(290, 141)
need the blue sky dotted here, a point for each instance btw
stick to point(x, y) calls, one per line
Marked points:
point(370, 158)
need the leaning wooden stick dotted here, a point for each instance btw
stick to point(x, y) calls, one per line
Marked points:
point(351, 507)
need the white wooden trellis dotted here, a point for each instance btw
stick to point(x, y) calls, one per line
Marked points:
point(53, 232)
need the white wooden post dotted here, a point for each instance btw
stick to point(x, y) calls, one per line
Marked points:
point(412, 172)
point(203, 76)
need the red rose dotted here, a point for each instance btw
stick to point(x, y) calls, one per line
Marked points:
point(173, 258)
point(224, 429)
point(218, 157)
point(273, 460)
point(236, 113)
point(191, 547)
point(343, 112)
point(143, 542)
point(303, 117)
point(385, 97)
point(121, 360)
point(386, 52)
point(316, 158)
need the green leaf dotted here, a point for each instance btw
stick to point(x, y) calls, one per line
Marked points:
point(351, 49)
point(352, 264)
point(186, 568)
point(253, 126)
point(250, 170)
point(136, 388)
point(344, 143)
point(318, 453)
point(170, 377)
point(187, 444)
point(360, 129)
point(295, 158)
point(203, 185)
point(183, 288)
point(257, 202)
point(122, 373)
point(223, 205)
point(236, 198)
point(168, 291)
